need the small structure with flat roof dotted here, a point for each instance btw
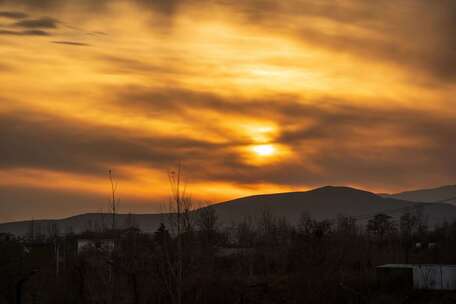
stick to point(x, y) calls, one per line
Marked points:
point(417, 276)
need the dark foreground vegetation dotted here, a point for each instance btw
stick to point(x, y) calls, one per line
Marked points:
point(190, 259)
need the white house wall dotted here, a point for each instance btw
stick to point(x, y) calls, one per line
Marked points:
point(434, 277)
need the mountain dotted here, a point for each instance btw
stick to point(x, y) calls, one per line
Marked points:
point(321, 203)
point(327, 203)
point(445, 194)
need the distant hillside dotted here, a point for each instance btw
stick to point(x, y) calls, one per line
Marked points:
point(445, 194)
point(86, 222)
point(322, 203)
point(327, 203)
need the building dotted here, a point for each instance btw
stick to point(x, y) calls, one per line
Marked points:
point(417, 276)
point(104, 245)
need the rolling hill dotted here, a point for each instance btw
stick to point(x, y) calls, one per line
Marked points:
point(321, 203)
point(445, 194)
point(327, 203)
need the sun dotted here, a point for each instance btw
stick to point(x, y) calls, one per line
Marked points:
point(264, 150)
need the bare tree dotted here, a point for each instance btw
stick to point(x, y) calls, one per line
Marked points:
point(31, 233)
point(305, 224)
point(206, 222)
point(180, 207)
point(346, 226)
point(407, 224)
point(421, 221)
point(114, 200)
point(381, 225)
point(245, 232)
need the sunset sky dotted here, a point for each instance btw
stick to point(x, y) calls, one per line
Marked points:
point(252, 96)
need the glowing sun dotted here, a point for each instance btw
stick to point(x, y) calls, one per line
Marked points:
point(264, 150)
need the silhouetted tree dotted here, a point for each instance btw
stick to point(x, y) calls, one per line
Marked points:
point(114, 199)
point(245, 233)
point(346, 226)
point(206, 222)
point(181, 220)
point(161, 235)
point(408, 224)
point(381, 226)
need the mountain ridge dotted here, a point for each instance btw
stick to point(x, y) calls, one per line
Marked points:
point(326, 202)
point(446, 193)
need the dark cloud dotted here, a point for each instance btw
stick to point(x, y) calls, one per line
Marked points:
point(40, 23)
point(25, 33)
point(176, 100)
point(97, 33)
point(13, 14)
point(162, 101)
point(166, 101)
point(43, 4)
point(73, 43)
point(166, 7)
point(55, 144)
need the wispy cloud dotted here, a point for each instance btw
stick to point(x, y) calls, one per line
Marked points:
point(13, 14)
point(73, 43)
point(24, 33)
point(40, 23)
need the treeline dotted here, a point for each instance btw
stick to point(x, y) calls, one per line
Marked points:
point(191, 258)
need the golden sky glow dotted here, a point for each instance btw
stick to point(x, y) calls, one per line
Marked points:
point(251, 96)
